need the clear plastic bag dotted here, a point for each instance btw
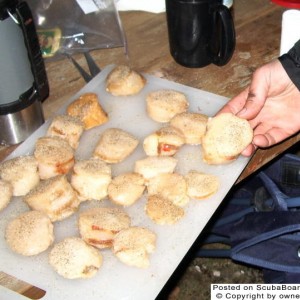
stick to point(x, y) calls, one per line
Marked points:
point(71, 26)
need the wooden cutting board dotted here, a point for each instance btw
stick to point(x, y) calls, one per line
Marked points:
point(116, 281)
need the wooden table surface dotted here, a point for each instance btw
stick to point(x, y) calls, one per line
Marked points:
point(258, 29)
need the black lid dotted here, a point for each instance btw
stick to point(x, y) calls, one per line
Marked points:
point(7, 4)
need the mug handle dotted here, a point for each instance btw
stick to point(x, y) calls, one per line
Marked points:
point(223, 41)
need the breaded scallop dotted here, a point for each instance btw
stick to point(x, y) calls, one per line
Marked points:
point(90, 178)
point(192, 126)
point(163, 105)
point(99, 225)
point(201, 185)
point(115, 145)
point(21, 172)
point(88, 109)
point(163, 211)
point(164, 142)
point(132, 246)
point(151, 166)
point(171, 186)
point(124, 81)
point(125, 189)
point(54, 155)
point(55, 197)
point(30, 233)
point(6, 191)
point(66, 127)
point(225, 138)
point(72, 258)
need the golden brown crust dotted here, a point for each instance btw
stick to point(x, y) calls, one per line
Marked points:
point(226, 137)
point(163, 105)
point(72, 258)
point(30, 233)
point(115, 145)
point(123, 81)
point(88, 109)
point(163, 211)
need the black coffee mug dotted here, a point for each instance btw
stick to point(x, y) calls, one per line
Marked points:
point(201, 32)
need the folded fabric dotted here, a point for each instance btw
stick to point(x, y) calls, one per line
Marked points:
point(260, 223)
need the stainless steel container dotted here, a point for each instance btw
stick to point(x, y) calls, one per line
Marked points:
point(23, 79)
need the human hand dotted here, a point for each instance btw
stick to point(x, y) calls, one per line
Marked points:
point(271, 104)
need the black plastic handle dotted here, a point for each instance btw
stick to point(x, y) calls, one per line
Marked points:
point(223, 49)
point(31, 40)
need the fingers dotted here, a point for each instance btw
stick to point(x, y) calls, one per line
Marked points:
point(235, 104)
point(257, 95)
point(249, 150)
point(249, 103)
point(269, 138)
